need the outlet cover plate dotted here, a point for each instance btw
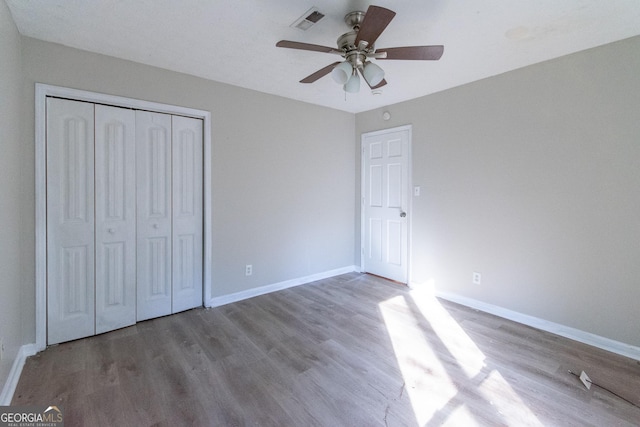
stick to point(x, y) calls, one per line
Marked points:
point(477, 278)
point(585, 380)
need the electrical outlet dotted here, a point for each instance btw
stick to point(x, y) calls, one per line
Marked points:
point(248, 270)
point(477, 278)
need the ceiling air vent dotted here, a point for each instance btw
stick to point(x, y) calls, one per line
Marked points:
point(308, 19)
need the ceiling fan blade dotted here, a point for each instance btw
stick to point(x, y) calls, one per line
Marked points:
point(307, 46)
point(375, 21)
point(382, 83)
point(320, 73)
point(432, 53)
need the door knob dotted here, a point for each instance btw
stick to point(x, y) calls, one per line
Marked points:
point(156, 226)
point(111, 230)
point(403, 214)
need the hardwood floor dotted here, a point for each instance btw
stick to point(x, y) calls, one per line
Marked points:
point(354, 350)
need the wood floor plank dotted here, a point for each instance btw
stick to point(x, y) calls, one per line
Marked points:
point(352, 350)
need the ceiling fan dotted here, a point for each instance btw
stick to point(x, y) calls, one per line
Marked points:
point(357, 47)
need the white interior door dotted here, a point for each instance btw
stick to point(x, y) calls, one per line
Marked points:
point(385, 163)
point(70, 220)
point(154, 230)
point(187, 213)
point(115, 203)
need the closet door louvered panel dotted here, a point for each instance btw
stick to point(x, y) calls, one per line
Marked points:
point(70, 220)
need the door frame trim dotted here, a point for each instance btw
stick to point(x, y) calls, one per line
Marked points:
point(42, 91)
point(409, 130)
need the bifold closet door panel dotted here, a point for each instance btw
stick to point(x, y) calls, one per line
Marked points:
point(115, 193)
point(187, 213)
point(153, 226)
point(70, 220)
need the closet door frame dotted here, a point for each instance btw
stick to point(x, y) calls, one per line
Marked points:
point(42, 91)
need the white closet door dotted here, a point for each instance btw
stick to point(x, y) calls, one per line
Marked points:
point(115, 192)
point(153, 172)
point(187, 213)
point(70, 220)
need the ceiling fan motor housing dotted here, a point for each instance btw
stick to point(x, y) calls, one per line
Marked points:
point(347, 43)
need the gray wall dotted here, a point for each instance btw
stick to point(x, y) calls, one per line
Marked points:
point(12, 187)
point(533, 179)
point(529, 177)
point(283, 182)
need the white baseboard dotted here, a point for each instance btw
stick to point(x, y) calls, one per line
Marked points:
point(598, 341)
point(250, 293)
point(14, 374)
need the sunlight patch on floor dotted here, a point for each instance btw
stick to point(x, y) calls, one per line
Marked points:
point(442, 367)
point(426, 382)
point(461, 416)
point(461, 347)
point(499, 393)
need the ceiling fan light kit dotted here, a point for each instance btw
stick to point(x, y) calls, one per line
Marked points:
point(372, 73)
point(353, 84)
point(358, 46)
point(342, 72)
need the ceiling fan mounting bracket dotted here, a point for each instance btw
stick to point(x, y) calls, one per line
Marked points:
point(354, 19)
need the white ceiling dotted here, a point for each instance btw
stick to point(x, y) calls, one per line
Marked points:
point(233, 41)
